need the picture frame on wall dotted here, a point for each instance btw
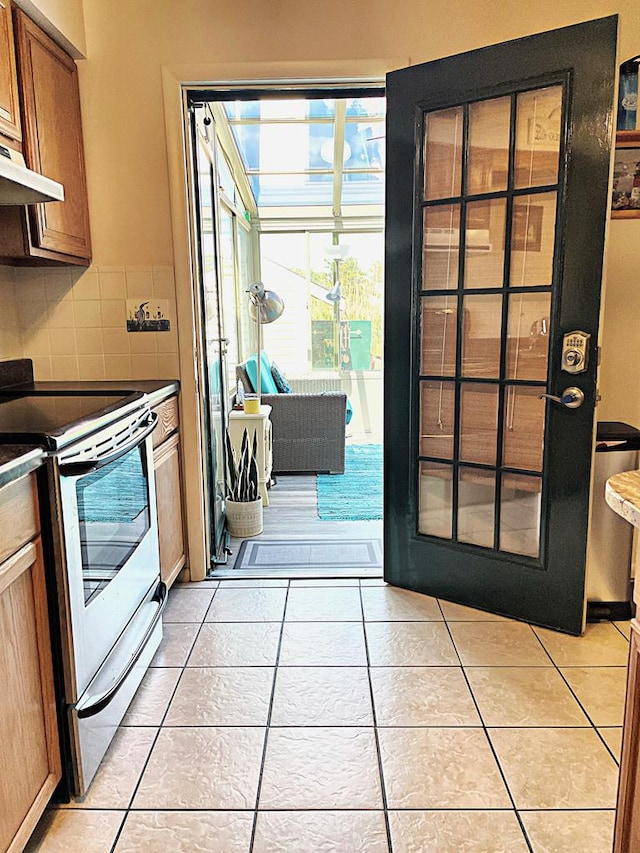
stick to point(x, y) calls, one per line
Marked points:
point(625, 198)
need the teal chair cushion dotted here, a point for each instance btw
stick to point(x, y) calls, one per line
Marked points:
point(268, 385)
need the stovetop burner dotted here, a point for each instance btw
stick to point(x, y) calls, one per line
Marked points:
point(54, 420)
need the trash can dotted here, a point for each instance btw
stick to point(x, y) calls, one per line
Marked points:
point(610, 536)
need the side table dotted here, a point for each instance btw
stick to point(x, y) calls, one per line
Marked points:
point(260, 424)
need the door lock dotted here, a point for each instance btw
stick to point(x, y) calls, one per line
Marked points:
point(575, 352)
point(572, 397)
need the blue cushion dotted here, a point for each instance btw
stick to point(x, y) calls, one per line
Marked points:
point(280, 380)
point(349, 414)
point(268, 386)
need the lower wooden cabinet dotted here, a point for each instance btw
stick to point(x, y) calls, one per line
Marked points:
point(168, 475)
point(30, 765)
point(627, 833)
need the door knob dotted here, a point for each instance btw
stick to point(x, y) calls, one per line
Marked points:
point(572, 397)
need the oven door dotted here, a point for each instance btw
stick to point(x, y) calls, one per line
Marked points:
point(107, 510)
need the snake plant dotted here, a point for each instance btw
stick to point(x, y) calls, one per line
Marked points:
point(243, 472)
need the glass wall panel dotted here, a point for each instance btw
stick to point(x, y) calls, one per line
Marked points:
point(538, 133)
point(520, 505)
point(440, 247)
point(476, 508)
point(443, 154)
point(481, 327)
point(484, 243)
point(435, 499)
point(246, 324)
point(488, 163)
point(478, 422)
point(533, 240)
point(528, 336)
point(524, 417)
point(437, 411)
point(438, 335)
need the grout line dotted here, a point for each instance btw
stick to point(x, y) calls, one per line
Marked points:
point(489, 741)
point(160, 727)
point(571, 690)
point(268, 723)
point(376, 732)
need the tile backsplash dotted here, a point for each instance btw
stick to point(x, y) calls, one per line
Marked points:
point(72, 322)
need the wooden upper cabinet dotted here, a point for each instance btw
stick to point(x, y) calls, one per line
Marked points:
point(52, 145)
point(9, 103)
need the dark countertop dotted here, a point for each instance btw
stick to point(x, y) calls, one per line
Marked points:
point(16, 460)
point(156, 389)
point(16, 376)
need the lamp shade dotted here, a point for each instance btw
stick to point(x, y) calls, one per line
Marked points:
point(265, 305)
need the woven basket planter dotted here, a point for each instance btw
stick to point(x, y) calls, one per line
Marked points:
point(244, 518)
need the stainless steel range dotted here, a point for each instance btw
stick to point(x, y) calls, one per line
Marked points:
point(104, 541)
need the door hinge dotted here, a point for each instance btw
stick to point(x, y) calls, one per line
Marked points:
point(598, 356)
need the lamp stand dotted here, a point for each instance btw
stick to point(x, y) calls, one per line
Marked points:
point(259, 350)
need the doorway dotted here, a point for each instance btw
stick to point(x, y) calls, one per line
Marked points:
point(292, 195)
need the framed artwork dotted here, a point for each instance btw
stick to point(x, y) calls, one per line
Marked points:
point(625, 197)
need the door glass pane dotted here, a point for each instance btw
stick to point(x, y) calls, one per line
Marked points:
point(484, 243)
point(481, 336)
point(538, 131)
point(478, 422)
point(528, 336)
point(437, 408)
point(440, 246)
point(476, 496)
point(443, 154)
point(489, 123)
point(520, 503)
point(524, 416)
point(435, 499)
point(533, 240)
point(438, 335)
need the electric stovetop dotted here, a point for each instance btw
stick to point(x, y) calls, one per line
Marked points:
point(53, 420)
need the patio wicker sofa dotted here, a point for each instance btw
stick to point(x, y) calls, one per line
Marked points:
point(308, 429)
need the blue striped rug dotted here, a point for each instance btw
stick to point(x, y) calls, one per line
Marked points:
point(355, 495)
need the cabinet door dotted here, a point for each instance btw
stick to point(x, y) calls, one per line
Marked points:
point(29, 747)
point(52, 131)
point(627, 834)
point(166, 463)
point(9, 104)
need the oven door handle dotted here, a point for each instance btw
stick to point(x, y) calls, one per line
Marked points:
point(75, 469)
point(95, 704)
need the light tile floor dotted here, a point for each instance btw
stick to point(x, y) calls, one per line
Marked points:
point(352, 717)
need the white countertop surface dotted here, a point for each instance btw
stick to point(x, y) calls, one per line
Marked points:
point(622, 493)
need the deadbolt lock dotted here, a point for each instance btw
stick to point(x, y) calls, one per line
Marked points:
point(575, 352)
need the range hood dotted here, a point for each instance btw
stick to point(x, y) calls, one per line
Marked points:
point(19, 185)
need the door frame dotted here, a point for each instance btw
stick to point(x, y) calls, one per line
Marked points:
point(176, 80)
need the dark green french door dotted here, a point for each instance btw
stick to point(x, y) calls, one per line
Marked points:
point(497, 176)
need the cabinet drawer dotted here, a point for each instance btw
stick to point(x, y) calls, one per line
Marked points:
point(168, 420)
point(18, 514)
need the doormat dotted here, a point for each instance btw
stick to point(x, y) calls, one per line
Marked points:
point(355, 495)
point(311, 554)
